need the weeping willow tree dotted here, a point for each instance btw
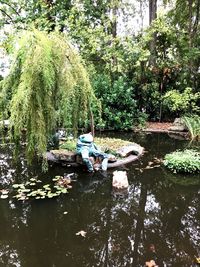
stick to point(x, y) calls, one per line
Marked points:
point(48, 86)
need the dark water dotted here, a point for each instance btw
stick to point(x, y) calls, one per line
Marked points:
point(160, 208)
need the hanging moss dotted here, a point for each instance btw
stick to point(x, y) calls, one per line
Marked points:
point(48, 86)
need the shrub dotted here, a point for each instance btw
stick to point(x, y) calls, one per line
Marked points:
point(192, 122)
point(187, 161)
point(181, 103)
point(119, 106)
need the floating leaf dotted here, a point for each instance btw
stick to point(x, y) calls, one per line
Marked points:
point(32, 194)
point(22, 198)
point(4, 191)
point(4, 196)
point(50, 195)
point(24, 190)
point(42, 193)
point(82, 233)
point(46, 186)
point(16, 185)
point(58, 187)
point(64, 191)
point(55, 179)
point(65, 212)
point(197, 260)
point(32, 184)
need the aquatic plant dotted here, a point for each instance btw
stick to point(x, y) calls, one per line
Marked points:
point(193, 124)
point(48, 86)
point(30, 189)
point(187, 161)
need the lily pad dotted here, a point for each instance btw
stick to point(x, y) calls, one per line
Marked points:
point(56, 179)
point(22, 198)
point(64, 191)
point(16, 185)
point(81, 233)
point(24, 190)
point(4, 192)
point(4, 196)
point(33, 179)
point(32, 184)
point(46, 186)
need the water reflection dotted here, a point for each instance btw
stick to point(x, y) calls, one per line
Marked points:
point(119, 228)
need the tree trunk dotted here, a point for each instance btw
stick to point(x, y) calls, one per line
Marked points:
point(152, 16)
point(113, 31)
point(152, 10)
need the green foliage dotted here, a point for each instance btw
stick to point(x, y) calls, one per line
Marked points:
point(187, 161)
point(192, 122)
point(181, 103)
point(47, 87)
point(105, 144)
point(94, 26)
point(69, 145)
point(119, 107)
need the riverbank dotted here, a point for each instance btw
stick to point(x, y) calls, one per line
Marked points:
point(158, 126)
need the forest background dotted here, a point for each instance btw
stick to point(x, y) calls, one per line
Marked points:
point(142, 56)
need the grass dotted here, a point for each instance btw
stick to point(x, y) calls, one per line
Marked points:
point(109, 145)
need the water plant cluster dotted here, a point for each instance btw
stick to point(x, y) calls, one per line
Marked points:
point(30, 189)
point(187, 161)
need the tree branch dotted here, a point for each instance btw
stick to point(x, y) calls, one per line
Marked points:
point(4, 12)
point(10, 7)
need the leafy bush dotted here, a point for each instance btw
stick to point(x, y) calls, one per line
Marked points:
point(119, 107)
point(183, 161)
point(181, 103)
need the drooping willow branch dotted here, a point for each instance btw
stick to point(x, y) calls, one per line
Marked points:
point(48, 86)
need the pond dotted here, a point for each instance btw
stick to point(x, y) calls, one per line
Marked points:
point(159, 208)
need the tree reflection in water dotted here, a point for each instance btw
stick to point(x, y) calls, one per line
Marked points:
point(119, 228)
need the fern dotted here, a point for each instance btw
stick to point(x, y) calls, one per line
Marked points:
point(193, 125)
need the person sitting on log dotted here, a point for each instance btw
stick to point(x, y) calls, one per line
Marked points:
point(87, 148)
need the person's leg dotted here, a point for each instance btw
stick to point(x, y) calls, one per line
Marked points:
point(104, 164)
point(101, 155)
point(86, 160)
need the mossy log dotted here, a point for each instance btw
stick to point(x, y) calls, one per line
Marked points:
point(126, 154)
